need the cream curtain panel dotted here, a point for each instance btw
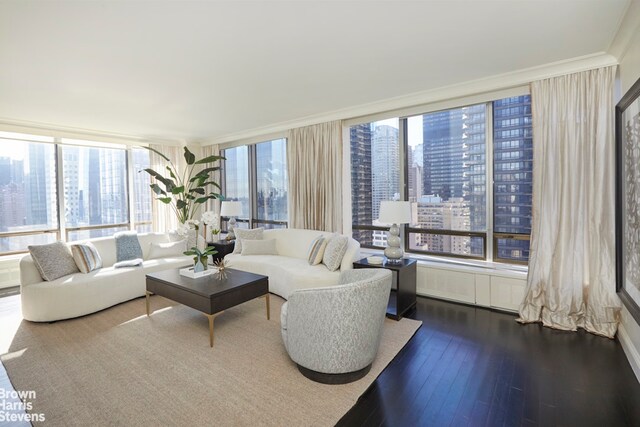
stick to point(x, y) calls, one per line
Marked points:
point(314, 159)
point(212, 205)
point(571, 281)
point(164, 219)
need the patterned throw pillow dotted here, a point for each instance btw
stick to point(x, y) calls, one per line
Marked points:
point(316, 250)
point(53, 260)
point(86, 257)
point(127, 246)
point(334, 252)
point(253, 234)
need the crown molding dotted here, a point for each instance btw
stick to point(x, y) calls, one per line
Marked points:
point(479, 86)
point(23, 126)
point(628, 28)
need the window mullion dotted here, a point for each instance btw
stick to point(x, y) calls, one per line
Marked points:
point(489, 242)
point(62, 229)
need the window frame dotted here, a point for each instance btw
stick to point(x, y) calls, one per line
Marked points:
point(62, 231)
point(489, 236)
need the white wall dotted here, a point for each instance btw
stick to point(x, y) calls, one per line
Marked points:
point(629, 332)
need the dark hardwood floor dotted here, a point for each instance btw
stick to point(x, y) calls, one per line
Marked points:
point(469, 366)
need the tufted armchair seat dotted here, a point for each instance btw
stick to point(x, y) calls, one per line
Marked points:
point(333, 333)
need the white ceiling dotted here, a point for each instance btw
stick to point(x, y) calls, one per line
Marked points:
point(200, 70)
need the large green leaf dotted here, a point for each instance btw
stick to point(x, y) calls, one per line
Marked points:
point(198, 190)
point(209, 159)
point(207, 171)
point(173, 175)
point(189, 156)
point(215, 184)
point(158, 153)
point(165, 200)
point(178, 190)
point(181, 204)
point(156, 189)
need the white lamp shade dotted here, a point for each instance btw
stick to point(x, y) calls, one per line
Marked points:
point(392, 212)
point(229, 208)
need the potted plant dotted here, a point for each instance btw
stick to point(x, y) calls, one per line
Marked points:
point(187, 191)
point(200, 259)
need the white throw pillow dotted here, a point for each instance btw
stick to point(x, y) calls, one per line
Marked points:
point(259, 247)
point(167, 250)
point(316, 250)
point(334, 252)
point(241, 233)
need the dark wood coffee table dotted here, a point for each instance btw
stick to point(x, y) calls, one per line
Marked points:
point(209, 294)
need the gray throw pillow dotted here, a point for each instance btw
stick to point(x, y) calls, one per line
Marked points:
point(127, 246)
point(53, 260)
point(334, 252)
point(253, 234)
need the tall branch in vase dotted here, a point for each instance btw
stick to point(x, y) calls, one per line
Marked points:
point(185, 191)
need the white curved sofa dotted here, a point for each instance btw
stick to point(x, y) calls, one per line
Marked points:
point(79, 294)
point(289, 270)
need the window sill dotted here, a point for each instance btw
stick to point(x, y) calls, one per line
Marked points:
point(457, 264)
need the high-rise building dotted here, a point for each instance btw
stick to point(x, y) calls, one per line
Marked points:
point(40, 187)
point(512, 160)
point(361, 180)
point(385, 165)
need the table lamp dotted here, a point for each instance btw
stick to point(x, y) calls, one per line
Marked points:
point(394, 212)
point(231, 210)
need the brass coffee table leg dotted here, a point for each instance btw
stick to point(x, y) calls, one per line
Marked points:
point(268, 309)
point(147, 301)
point(211, 317)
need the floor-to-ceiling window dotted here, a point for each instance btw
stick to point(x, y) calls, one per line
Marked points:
point(256, 175)
point(52, 188)
point(466, 172)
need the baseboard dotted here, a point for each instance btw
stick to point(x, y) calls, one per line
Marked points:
point(630, 350)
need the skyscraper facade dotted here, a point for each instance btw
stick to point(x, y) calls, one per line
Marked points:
point(361, 183)
point(513, 161)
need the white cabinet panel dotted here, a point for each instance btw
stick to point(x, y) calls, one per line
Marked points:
point(447, 284)
point(483, 290)
point(507, 293)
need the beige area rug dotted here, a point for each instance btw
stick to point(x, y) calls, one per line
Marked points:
point(119, 367)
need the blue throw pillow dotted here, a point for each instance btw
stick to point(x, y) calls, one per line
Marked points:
point(127, 246)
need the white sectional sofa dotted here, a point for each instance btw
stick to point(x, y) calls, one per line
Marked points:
point(79, 294)
point(290, 270)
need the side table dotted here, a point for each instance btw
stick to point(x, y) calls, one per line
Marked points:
point(403, 294)
point(224, 247)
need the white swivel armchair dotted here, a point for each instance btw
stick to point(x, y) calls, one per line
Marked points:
point(333, 333)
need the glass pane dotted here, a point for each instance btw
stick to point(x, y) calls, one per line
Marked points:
point(141, 180)
point(447, 169)
point(95, 186)
point(271, 176)
point(144, 228)
point(90, 234)
point(513, 161)
point(444, 244)
point(512, 249)
point(375, 173)
point(378, 238)
point(236, 177)
point(20, 243)
point(27, 188)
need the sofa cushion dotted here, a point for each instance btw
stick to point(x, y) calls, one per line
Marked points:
point(253, 234)
point(259, 247)
point(316, 250)
point(334, 252)
point(127, 246)
point(86, 257)
point(53, 260)
point(166, 250)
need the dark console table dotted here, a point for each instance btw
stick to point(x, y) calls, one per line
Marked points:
point(224, 247)
point(403, 288)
